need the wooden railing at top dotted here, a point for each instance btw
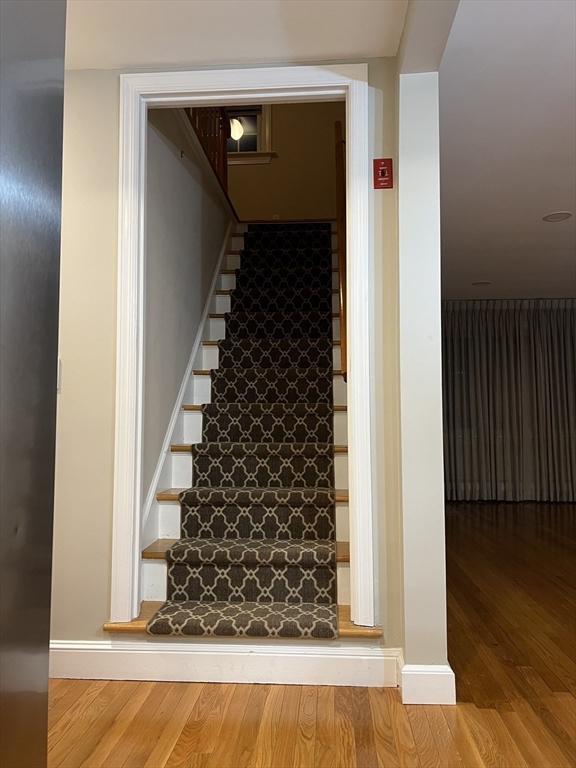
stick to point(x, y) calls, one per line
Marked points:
point(211, 125)
point(340, 147)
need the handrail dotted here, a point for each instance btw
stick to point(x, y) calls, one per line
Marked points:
point(340, 149)
point(212, 129)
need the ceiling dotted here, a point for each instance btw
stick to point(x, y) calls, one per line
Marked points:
point(508, 144)
point(129, 34)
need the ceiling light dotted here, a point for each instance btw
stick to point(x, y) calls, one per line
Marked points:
point(557, 216)
point(482, 282)
point(236, 129)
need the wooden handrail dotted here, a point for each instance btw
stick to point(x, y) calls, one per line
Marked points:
point(212, 128)
point(340, 148)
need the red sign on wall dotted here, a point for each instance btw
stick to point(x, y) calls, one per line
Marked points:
point(383, 178)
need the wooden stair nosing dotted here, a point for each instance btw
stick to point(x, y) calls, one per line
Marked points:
point(346, 629)
point(222, 315)
point(198, 408)
point(171, 494)
point(215, 342)
point(187, 448)
point(206, 372)
point(157, 550)
point(228, 291)
point(233, 271)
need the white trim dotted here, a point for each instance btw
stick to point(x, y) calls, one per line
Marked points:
point(260, 85)
point(177, 410)
point(427, 684)
point(281, 663)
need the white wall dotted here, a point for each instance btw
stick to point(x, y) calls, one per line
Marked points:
point(420, 376)
point(186, 222)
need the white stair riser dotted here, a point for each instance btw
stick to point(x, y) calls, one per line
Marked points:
point(191, 427)
point(168, 515)
point(209, 357)
point(237, 242)
point(216, 329)
point(182, 470)
point(154, 578)
point(199, 390)
point(221, 304)
point(228, 282)
point(233, 260)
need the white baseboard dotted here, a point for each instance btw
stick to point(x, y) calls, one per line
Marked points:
point(427, 684)
point(282, 663)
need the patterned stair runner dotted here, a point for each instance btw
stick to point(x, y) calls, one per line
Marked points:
point(257, 554)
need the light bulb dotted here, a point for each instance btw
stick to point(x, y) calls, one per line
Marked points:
point(236, 129)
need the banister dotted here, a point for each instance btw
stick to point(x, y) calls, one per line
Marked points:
point(340, 150)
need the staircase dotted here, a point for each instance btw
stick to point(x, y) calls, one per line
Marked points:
point(256, 553)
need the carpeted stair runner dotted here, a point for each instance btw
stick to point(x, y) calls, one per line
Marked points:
point(257, 553)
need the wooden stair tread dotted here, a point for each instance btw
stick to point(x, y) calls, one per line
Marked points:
point(198, 408)
point(222, 316)
point(206, 372)
point(228, 291)
point(171, 494)
point(157, 550)
point(346, 629)
point(233, 271)
point(215, 342)
point(187, 448)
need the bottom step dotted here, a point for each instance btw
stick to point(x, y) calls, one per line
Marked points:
point(246, 619)
point(346, 629)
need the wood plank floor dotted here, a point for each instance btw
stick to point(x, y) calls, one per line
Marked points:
point(512, 637)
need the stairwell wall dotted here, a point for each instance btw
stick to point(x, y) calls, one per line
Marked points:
point(186, 224)
point(85, 429)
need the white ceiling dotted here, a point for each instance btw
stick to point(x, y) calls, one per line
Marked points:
point(128, 34)
point(508, 142)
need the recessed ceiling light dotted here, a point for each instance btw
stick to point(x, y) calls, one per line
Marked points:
point(557, 216)
point(482, 282)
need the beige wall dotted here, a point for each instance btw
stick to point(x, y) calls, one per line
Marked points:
point(85, 436)
point(186, 225)
point(300, 183)
point(85, 425)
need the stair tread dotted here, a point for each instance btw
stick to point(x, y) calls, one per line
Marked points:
point(208, 371)
point(346, 629)
point(307, 553)
point(157, 550)
point(187, 447)
point(198, 408)
point(172, 494)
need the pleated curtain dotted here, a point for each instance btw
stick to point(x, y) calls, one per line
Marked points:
point(509, 381)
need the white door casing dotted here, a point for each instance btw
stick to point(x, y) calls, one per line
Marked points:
point(138, 92)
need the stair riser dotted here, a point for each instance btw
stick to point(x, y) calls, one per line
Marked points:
point(199, 390)
point(221, 304)
point(259, 584)
point(154, 580)
point(191, 428)
point(182, 470)
point(209, 358)
point(168, 513)
point(234, 260)
point(216, 329)
point(227, 282)
point(242, 469)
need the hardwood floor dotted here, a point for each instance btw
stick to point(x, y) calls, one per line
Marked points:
point(512, 637)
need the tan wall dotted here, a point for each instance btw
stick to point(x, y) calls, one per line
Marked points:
point(300, 183)
point(85, 426)
point(85, 436)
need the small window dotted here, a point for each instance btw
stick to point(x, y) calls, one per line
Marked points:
point(253, 146)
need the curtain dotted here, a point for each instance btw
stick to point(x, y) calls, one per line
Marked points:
point(509, 382)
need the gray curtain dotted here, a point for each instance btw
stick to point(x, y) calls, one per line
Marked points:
point(509, 380)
